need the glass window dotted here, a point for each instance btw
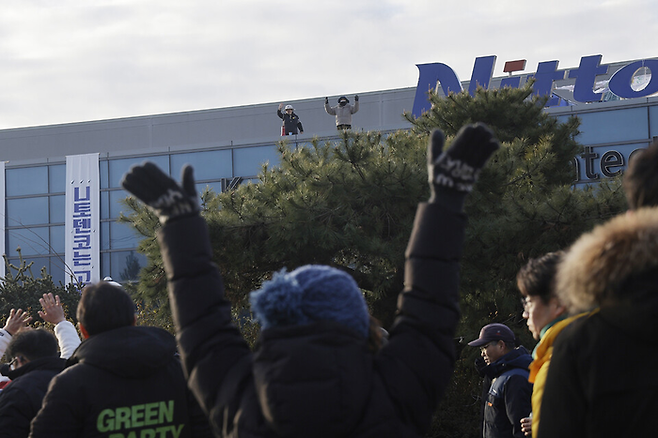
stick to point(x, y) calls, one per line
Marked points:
point(119, 167)
point(248, 161)
point(27, 181)
point(207, 165)
point(116, 206)
point(653, 120)
point(28, 211)
point(105, 205)
point(57, 176)
point(57, 269)
point(125, 265)
point(105, 265)
point(32, 241)
point(613, 126)
point(57, 241)
point(104, 174)
point(105, 236)
point(123, 236)
point(57, 208)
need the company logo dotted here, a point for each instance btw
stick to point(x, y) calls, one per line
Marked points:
point(583, 80)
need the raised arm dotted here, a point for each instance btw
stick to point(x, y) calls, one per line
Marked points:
point(16, 321)
point(216, 359)
point(53, 312)
point(419, 357)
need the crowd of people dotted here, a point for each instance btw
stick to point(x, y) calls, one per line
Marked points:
point(322, 367)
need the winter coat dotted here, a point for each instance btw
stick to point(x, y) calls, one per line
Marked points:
point(122, 382)
point(319, 380)
point(291, 123)
point(506, 395)
point(343, 113)
point(21, 399)
point(602, 379)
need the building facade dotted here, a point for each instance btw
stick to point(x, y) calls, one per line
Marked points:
point(226, 144)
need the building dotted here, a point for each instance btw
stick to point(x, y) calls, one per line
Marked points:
point(227, 144)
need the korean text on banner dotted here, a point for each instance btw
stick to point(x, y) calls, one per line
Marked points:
point(82, 219)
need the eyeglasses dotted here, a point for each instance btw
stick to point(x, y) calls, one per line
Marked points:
point(487, 345)
point(14, 363)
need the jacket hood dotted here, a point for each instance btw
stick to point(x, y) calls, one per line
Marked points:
point(129, 352)
point(312, 380)
point(601, 265)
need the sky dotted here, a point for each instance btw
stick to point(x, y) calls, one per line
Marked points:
point(66, 61)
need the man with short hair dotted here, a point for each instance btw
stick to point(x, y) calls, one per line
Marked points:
point(35, 361)
point(123, 380)
point(506, 390)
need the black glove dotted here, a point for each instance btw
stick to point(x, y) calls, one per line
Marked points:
point(459, 166)
point(356, 98)
point(326, 100)
point(161, 193)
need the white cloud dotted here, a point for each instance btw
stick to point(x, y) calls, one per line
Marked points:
point(77, 60)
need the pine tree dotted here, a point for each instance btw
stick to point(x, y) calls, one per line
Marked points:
point(350, 203)
point(524, 205)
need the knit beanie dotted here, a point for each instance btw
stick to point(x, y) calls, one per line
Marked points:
point(311, 293)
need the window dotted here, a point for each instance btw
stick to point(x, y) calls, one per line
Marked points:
point(27, 211)
point(207, 165)
point(27, 181)
point(117, 168)
point(32, 241)
point(248, 161)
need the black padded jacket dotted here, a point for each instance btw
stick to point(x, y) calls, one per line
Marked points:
point(319, 380)
point(119, 383)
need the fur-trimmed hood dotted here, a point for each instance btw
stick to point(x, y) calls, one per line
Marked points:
point(599, 265)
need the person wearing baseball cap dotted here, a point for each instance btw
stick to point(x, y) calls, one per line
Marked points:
point(506, 391)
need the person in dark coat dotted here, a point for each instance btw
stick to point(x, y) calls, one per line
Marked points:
point(312, 373)
point(35, 361)
point(123, 380)
point(506, 392)
point(602, 379)
point(291, 123)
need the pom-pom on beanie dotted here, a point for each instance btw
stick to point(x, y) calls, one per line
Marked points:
point(311, 293)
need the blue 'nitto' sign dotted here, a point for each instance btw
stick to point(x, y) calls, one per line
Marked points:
point(583, 90)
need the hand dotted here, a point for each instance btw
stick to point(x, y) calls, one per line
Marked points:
point(356, 98)
point(526, 426)
point(459, 167)
point(280, 105)
point(326, 100)
point(52, 310)
point(161, 193)
point(17, 321)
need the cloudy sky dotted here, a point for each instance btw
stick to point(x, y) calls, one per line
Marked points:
point(76, 60)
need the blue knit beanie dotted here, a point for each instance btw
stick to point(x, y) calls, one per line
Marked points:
point(311, 293)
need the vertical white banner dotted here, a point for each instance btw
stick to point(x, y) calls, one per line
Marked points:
point(82, 219)
point(2, 216)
